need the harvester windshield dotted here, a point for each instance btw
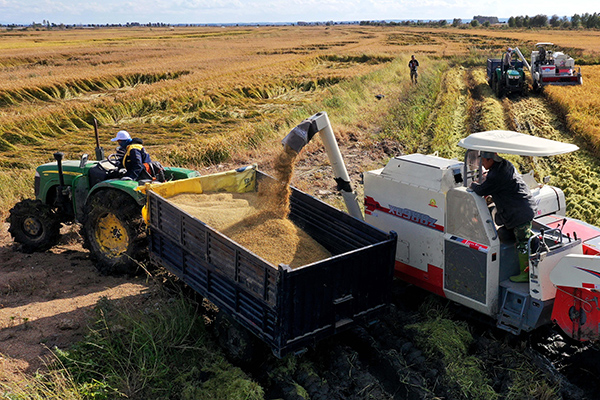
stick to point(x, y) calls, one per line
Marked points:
point(507, 142)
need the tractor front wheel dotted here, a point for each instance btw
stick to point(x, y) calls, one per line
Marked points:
point(34, 225)
point(114, 232)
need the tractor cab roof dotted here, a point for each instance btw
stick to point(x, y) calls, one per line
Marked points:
point(509, 142)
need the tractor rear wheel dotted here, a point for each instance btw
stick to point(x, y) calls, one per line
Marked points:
point(34, 225)
point(115, 233)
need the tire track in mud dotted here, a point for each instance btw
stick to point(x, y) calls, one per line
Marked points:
point(370, 361)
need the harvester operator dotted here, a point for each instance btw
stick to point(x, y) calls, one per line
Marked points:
point(132, 155)
point(515, 207)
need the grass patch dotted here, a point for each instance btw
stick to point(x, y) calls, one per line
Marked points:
point(441, 337)
point(158, 351)
point(411, 115)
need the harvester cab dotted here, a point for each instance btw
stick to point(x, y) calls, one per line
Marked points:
point(449, 244)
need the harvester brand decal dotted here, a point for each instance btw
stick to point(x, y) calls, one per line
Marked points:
point(432, 203)
point(474, 245)
point(404, 213)
point(590, 285)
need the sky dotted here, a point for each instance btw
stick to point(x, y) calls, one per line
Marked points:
point(249, 11)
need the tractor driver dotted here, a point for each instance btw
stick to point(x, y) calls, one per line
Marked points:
point(132, 155)
point(515, 207)
point(506, 60)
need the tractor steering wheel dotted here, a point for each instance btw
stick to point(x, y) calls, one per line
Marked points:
point(114, 160)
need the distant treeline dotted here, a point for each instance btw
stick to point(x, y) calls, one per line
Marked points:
point(588, 21)
point(51, 25)
point(577, 21)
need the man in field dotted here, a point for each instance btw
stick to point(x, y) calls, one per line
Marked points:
point(515, 207)
point(506, 60)
point(413, 64)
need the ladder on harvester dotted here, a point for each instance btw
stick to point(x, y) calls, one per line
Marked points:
point(512, 312)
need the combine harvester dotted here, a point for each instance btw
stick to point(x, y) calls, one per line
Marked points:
point(449, 244)
point(550, 67)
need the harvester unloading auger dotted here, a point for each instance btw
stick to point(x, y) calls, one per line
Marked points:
point(449, 244)
point(549, 67)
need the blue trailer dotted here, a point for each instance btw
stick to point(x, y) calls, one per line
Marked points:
point(288, 309)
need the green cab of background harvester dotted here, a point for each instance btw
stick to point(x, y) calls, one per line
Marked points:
point(93, 194)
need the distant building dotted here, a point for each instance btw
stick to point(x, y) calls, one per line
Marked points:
point(481, 19)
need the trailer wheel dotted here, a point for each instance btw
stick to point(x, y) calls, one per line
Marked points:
point(34, 225)
point(234, 339)
point(114, 232)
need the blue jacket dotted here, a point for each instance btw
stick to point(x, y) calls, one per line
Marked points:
point(134, 159)
point(514, 203)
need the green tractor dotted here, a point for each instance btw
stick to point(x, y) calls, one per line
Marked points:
point(93, 194)
point(505, 80)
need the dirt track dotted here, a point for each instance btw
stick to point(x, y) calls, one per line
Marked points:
point(46, 299)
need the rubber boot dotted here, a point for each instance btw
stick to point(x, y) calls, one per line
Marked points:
point(523, 267)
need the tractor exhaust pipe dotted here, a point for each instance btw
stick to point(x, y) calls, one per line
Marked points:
point(62, 192)
point(58, 156)
point(99, 149)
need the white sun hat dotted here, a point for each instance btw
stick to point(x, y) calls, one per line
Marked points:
point(121, 135)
